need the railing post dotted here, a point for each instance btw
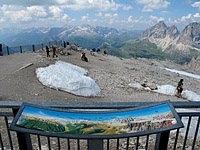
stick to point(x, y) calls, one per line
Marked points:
point(8, 50)
point(55, 42)
point(42, 46)
point(33, 48)
point(162, 140)
point(49, 44)
point(20, 49)
point(1, 50)
point(24, 139)
point(95, 144)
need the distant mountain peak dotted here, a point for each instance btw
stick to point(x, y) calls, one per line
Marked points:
point(165, 37)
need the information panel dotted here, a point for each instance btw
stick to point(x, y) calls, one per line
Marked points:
point(40, 120)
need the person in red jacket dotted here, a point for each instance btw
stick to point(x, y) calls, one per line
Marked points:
point(54, 51)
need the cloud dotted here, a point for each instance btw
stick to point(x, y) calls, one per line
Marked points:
point(108, 15)
point(150, 5)
point(33, 15)
point(197, 15)
point(125, 7)
point(185, 18)
point(15, 14)
point(196, 4)
point(95, 5)
point(83, 18)
point(99, 14)
point(130, 18)
point(157, 19)
point(55, 11)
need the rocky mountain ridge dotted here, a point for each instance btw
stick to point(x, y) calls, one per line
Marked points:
point(168, 38)
point(85, 35)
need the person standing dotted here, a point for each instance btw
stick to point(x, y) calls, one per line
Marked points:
point(47, 50)
point(54, 51)
point(180, 88)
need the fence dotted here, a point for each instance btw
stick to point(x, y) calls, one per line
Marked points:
point(187, 138)
point(6, 50)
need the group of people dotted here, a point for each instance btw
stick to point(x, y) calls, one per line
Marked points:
point(48, 51)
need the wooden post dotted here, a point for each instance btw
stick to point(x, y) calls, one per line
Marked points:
point(20, 49)
point(33, 48)
point(42, 46)
point(1, 50)
point(55, 42)
point(49, 44)
point(162, 140)
point(24, 139)
point(135, 55)
point(8, 50)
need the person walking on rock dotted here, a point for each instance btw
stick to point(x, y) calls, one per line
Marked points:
point(180, 88)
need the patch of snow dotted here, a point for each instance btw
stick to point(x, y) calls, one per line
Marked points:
point(68, 77)
point(171, 90)
point(183, 73)
point(166, 89)
point(190, 95)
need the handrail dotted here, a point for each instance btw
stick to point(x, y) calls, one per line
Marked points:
point(97, 105)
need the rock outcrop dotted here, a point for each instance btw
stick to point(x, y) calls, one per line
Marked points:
point(195, 63)
point(161, 35)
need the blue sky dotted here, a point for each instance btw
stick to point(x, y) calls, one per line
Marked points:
point(101, 116)
point(120, 14)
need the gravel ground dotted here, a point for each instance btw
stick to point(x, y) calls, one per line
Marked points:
point(113, 75)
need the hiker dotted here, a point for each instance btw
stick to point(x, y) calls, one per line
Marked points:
point(83, 57)
point(98, 50)
point(47, 50)
point(54, 51)
point(180, 88)
point(105, 52)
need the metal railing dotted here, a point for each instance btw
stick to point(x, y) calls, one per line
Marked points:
point(7, 50)
point(180, 139)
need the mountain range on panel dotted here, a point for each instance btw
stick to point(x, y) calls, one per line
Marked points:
point(159, 41)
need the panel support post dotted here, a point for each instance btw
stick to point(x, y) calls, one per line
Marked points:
point(95, 144)
point(162, 140)
point(24, 139)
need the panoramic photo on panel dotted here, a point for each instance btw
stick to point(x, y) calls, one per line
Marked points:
point(144, 119)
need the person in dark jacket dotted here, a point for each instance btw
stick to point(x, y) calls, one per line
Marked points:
point(47, 50)
point(180, 88)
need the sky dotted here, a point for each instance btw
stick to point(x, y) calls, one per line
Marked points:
point(97, 117)
point(120, 14)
